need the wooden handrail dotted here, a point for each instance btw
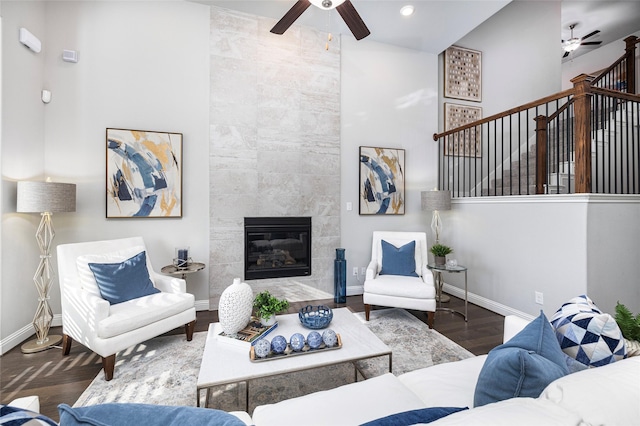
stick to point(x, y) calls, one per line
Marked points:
point(517, 109)
point(616, 94)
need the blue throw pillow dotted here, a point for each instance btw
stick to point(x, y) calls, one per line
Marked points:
point(144, 414)
point(422, 415)
point(119, 282)
point(14, 416)
point(398, 260)
point(523, 366)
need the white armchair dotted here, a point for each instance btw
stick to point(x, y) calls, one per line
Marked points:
point(108, 328)
point(400, 291)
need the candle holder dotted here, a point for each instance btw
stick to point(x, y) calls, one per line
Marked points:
point(182, 259)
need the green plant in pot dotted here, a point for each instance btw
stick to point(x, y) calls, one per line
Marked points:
point(440, 252)
point(630, 328)
point(267, 306)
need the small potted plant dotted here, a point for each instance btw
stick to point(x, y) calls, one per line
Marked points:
point(440, 252)
point(267, 306)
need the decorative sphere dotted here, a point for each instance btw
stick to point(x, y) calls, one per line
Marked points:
point(314, 340)
point(278, 344)
point(262, 348)
point(329, 338)
point(297, 342)
point(234, 309)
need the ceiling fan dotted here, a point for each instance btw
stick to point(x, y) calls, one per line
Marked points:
point(344, 8)
point(574, 42)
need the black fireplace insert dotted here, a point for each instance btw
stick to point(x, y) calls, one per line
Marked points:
point(276, 247)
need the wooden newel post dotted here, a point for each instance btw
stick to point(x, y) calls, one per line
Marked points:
point(541, 153)
point(630, 70)
point(582, 128)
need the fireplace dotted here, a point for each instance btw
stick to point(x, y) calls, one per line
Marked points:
point(276, 247)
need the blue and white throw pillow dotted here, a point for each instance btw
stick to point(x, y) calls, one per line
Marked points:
point(13, 416)
point(588, 335)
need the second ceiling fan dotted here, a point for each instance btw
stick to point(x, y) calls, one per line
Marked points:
point(574, 42)
point(344, 8)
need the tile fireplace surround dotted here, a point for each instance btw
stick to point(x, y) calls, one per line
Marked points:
point(274, 144)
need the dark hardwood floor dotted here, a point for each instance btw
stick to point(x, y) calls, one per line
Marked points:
point(57, 379)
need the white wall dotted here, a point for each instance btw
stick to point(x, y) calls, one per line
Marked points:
point(612, 251)
point(22, 159)
point(597, 60)
point(520, 60)
point(389, 100)
point(142, 65)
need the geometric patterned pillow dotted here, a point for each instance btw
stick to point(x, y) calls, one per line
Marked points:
point(18, 417)
point(587, 334)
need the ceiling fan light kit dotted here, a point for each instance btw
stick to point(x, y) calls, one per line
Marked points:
point(574, 42)
point(344, 8)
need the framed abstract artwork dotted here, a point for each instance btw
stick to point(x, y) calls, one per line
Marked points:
point(463, 74)
point(382, 177)
point(144, 174)
point(469, 142)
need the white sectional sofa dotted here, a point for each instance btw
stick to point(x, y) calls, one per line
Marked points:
point(608, 395)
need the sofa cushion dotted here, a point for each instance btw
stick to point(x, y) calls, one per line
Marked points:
point(398, 260)
point(144, 414)
point(606, 395)
point(512, 412)
point(88, 280)
point(351, 404)
point(123, 281)
point(455, 382)
point(422, 415)
point(15, 416)
point(143, 311)
point(587, 334)
point(523, 366)
point(400, 286)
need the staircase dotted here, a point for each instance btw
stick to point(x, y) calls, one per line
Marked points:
point(589, 141)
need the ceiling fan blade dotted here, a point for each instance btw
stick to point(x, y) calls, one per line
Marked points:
point(590, 43)
point(565, 54)
point(353, 20)
point(290, 17)
point(590, 34)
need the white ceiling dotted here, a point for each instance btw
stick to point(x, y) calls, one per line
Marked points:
point(437, 24)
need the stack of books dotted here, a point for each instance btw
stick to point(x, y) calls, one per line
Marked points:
point(249, 335)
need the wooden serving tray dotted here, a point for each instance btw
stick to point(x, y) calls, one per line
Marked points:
point(290, 352)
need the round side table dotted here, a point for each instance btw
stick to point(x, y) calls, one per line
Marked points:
point(437, 271)
point(182, 272)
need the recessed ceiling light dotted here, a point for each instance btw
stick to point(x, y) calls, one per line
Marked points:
point(407, 10)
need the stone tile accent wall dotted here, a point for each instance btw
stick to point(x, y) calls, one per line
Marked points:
point(274, 140)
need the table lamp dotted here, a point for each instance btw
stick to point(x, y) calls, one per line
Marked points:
point(436, 201)
point(44, 198)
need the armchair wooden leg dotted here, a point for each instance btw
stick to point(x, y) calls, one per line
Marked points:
point(66, 344)
point(188, 329)
point(431, 318)
point(367, 311)
point(109, 364)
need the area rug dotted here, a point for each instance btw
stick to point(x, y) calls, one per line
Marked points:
point(164, 370)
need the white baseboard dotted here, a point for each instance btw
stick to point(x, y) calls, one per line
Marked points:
point(485, 303)
point(354, 290)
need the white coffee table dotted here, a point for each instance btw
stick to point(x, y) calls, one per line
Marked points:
point(224, 363)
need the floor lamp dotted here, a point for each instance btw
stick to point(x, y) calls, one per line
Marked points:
point(44, 198)
point(435, 201)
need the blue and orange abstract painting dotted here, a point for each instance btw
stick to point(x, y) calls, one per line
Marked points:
point(144, 174)
point(381, 181)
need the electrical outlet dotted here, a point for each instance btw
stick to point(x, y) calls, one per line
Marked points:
point(539, 298)
point(355, 271)
point(364, 271)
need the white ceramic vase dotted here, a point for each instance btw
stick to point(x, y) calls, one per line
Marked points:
point(235, 307)
point(269, 322)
